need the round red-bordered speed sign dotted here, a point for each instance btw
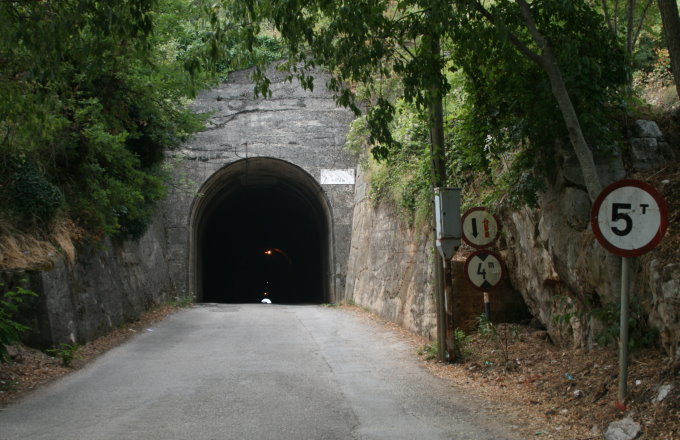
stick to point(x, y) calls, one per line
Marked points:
point(480, 227)
point(484, 269)
point(629, 217)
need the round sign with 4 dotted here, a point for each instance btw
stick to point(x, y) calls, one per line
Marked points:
point(629, 217)
point(484, 270)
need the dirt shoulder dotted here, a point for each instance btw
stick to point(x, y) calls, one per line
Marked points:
point(33, 368)
point(558, 394)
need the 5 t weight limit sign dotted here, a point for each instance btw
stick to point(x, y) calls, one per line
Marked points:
point(629, 218)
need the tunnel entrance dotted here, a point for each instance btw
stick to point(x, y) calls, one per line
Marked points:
point(261, 230)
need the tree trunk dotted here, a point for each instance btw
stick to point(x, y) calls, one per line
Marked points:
point(630, 11)
point(436, 116)
point(583, 152)
point(547, 60)
point(671, 26)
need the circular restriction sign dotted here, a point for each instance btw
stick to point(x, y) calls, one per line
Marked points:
point(480, 227)
point(484, 270)
point(629, 217)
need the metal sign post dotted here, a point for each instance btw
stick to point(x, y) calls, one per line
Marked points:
point(623, 329)
point(481, 229)
point(628, 218)
point(487, 306)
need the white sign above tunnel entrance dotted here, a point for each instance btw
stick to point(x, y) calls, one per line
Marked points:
point(337, 177)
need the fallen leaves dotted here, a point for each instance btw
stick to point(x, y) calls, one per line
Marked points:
point(32, 368)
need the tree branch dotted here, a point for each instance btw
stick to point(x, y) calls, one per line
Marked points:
point(642, 21)
point(519, 44)
point(607, 17)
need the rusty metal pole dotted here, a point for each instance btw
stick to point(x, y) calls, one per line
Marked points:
point(441, 305)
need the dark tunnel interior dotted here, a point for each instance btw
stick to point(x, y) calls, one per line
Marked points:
point(262, 242)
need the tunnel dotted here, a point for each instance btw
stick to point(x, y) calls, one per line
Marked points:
point(261, 231)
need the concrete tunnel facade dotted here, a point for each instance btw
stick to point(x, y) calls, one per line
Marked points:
point(263, 197)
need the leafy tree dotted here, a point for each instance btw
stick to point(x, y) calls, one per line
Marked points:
point(627, 19)
point(90, 97)
point(517, 80)
point(368, 39)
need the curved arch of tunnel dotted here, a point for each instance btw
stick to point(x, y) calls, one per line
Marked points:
point(261, 242)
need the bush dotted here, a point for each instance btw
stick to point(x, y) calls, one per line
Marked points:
point(66, 352)
point(30, 197)
point(10, 330)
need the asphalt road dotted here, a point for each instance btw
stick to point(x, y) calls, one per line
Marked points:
point(217, 372)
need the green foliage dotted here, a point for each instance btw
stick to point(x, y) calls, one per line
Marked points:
point(511, 122)
point(10, 330)
point(66, 353)
point(8, 385)
point(91, 96)
point(640, 334)
point(507, 124)
point(500, 336)
point(183, 300)
point(486, 328)
point(461, 344)
point(402, 177)
point(29, 198)
point(430, 351)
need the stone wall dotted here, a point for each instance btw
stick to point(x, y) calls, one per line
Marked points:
point(389, 267)
point(390, 272)
point(299, 127)
point(107, 285)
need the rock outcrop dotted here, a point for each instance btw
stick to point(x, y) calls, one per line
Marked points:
point(561, 270)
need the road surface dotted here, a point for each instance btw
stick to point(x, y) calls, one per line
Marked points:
point(256, 371)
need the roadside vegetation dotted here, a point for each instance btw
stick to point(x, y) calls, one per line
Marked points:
point(91, 96)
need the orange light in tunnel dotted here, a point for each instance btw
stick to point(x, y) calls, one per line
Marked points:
point(268, 252)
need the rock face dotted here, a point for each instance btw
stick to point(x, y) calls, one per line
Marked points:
point(557, 265)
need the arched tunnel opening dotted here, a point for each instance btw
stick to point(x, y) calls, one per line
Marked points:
point(262, 234)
